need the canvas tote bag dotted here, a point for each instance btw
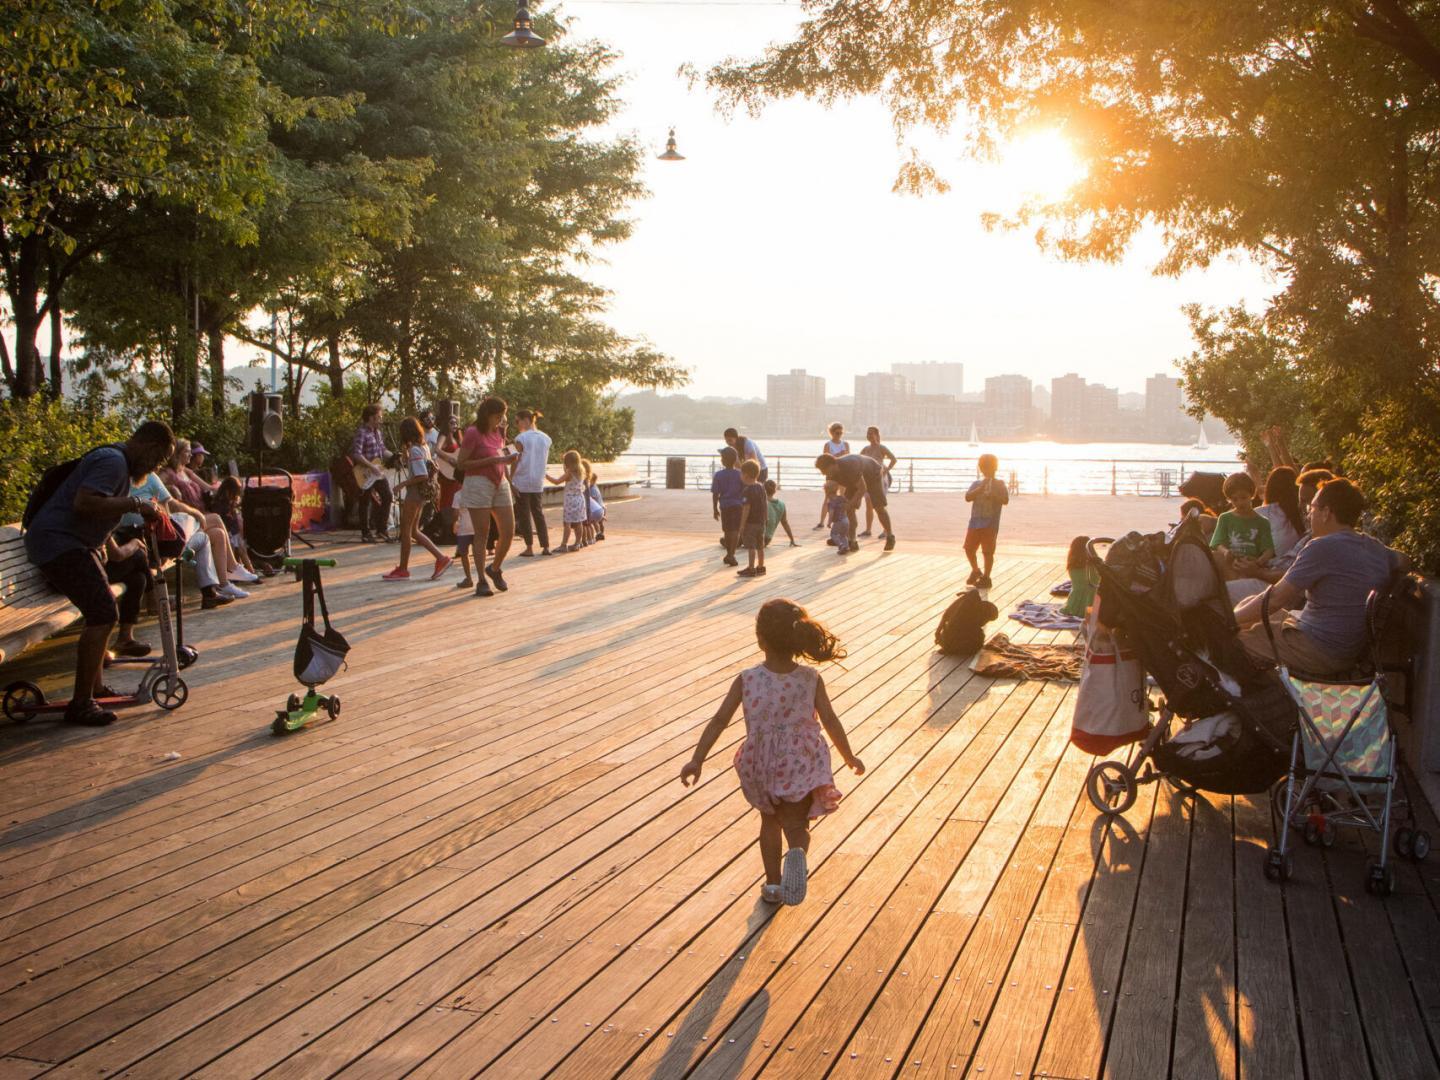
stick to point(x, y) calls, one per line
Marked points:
point(1110, 703)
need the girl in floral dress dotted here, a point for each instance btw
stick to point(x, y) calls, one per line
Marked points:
point(783, 764)
point(576, 509)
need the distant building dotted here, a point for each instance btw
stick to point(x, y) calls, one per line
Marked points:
point(1165, 409)
point(1067, 407)
point(1008, 407)
point(883, 399)
point(794, 404)
point(933, 376)
point(1102, 412)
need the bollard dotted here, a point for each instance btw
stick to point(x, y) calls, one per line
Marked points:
point(675, 472)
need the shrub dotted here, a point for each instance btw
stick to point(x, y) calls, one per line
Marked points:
point(1393, 459)
point(39, 432)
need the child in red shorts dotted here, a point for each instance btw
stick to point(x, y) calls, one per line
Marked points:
point(986, 498)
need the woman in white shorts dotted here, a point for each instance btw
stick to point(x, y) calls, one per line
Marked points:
point(485, 493)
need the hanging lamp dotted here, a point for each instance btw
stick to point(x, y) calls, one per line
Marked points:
point(523, 36)
point(671, 154)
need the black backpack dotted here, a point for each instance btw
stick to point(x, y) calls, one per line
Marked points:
point(51, 480)
point(962, 628)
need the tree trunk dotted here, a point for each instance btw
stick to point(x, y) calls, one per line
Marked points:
point(57, 340)
point(407, 377)
point(25, 310)
point(334, 370)
point(215, 350)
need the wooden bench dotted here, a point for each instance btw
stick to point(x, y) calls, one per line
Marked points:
point(30, 610)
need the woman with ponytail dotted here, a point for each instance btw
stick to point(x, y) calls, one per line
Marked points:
point(783, 764)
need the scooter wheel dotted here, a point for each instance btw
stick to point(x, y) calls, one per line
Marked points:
point(278, 725)
point(20, 698)
point(292, 703)
point(169, 692)
point(332, 706)
point(185, 656)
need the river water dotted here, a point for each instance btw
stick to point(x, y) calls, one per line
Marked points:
point(949, 465)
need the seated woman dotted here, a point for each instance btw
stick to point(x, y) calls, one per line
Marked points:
point(191, 493)
point(227, 508)
point(211, 571)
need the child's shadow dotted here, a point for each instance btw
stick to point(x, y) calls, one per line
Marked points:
point(686, 1048)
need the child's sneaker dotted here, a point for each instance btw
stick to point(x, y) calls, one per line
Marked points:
point(770, 894)
point(974, 578)
point(984, 582)
point(396, 575)
point(749, 571)
point(468, 583)
point(890, 542)
point(793, 877)
point(441, 565)
point(730, 560)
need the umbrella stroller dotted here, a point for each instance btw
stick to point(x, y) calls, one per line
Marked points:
point(1344, 762)
point(1165, 599)
point(268, 509)
point(318, 654)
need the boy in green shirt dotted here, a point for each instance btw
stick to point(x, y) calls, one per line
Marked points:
point(1241, 540)
point(775, 515)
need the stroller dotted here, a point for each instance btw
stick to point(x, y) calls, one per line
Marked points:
point(1344, 762)
point(268, 510)
point(1166, 601)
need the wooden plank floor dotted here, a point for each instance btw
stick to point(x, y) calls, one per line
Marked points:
point(486, 866)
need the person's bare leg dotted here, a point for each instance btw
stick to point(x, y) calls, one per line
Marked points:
point(795, 823)
point(869, 515)
point(505, 518)
point(770, 837)
point(418, 534)
point(225, 560)
point(90, 662)
point(883, 513)
point(409, 511)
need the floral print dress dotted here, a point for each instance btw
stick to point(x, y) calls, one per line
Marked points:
point(784, 756)
point(576, 508)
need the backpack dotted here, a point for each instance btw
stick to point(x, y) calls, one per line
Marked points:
point(962, 628)
point(51, 481)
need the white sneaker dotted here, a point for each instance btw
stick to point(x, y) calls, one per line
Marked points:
point(233, 591)
point(241, 574)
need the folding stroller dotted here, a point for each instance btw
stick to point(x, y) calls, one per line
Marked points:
point(1344, 763)
point(1164, 597)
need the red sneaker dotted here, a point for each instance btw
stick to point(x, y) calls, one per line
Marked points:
point(441, 565)
point(396, 575)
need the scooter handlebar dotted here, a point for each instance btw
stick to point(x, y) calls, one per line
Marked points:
point(295, 564)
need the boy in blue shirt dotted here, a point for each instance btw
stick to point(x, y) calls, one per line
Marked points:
point(986, 498)
point(727, 497)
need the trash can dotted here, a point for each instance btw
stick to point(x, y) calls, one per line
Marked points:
point(675, 472)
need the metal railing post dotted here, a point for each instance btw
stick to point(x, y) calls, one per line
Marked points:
point(649, 479)
point(1047, 480)
point(911, 485)
point(1112, 478)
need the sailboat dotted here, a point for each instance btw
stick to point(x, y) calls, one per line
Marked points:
point(974, 434)
point(1202, 443)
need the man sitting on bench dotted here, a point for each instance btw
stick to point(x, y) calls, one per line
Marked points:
point(67, 539)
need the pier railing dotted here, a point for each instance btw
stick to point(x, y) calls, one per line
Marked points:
point(1160, 477)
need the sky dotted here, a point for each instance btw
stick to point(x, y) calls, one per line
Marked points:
point(779, 244)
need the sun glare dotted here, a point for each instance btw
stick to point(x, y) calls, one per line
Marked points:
point(1038, 165)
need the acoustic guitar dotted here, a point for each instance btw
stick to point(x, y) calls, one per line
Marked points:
point(367, 472)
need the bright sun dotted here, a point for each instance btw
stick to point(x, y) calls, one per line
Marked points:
point(1038, 165)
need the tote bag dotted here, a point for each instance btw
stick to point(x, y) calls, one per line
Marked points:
point(318, 654)
point(1110, 703)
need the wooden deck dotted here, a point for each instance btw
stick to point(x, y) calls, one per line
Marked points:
point(487, 865)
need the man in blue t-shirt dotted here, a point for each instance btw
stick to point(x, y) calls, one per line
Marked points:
point(1333, 577)
point(67, 540)
point(727, 496)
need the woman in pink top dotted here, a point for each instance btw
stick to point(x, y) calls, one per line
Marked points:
point(485, 494)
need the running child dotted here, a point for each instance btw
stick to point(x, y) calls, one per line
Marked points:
point(464, 541)
point(752, 520)
point(839, 509)
point(783, 764)
point(416, 487)
point(726, 499)
point(575, 509)
point(987, 496)
point(775, 516)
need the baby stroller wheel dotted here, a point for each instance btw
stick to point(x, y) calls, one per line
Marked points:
point(1420, 847)
point(1111, 787)
point(169, 692)
point(1403, 842)
point(1380, 880)
point(20, 698)
point(1312, 833)
point(1278, 866)
point(332, 706)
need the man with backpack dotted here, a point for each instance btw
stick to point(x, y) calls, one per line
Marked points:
point(68, 523)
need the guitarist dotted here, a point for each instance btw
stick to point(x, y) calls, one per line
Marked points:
point(369, 453)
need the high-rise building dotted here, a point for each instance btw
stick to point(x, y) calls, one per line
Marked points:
point(1008, 407)
point(933, 376)
point(1102, 411)
point(794, 403)
point(1165, 408)
point(882, 399)
point(1067, 407)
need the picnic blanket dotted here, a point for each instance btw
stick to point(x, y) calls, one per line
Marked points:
point(1001, 658)
point(1045, 616)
